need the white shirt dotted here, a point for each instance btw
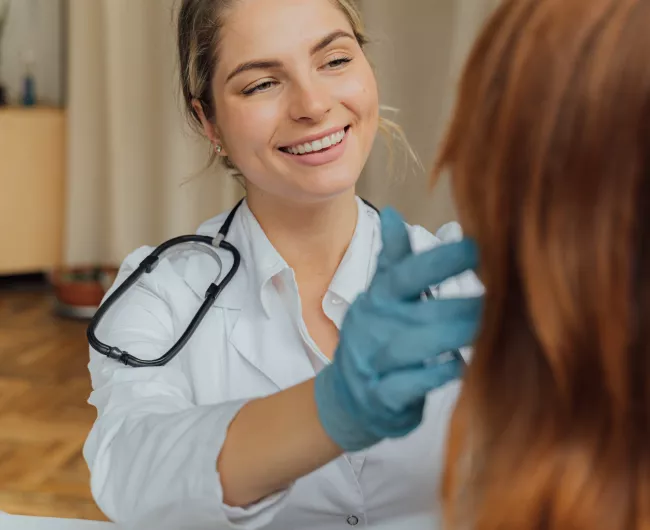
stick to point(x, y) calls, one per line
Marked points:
point(153, 450)
point(23, 522)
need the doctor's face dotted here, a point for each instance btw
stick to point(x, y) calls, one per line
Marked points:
point(296, 99)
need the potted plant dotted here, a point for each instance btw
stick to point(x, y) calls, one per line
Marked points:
point(80, 290)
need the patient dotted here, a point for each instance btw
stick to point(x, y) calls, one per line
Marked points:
point(550, 154)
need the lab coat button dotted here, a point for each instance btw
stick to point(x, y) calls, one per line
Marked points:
point(353, 520)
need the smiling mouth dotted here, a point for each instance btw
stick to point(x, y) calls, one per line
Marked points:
point(317, 146)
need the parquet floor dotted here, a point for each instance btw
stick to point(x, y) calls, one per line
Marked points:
point(44, 416)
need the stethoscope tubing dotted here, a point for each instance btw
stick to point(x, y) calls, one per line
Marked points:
point(213, 291)
point(146, 267)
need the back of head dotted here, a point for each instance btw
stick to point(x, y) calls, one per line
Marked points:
point(550, 154)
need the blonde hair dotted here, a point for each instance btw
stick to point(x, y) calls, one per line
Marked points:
point(199, 30)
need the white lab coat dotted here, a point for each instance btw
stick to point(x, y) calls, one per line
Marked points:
point(153, 450)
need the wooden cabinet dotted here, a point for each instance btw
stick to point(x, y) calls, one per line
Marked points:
point(32, 189)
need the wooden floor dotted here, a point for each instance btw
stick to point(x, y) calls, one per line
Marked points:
point(44, 415)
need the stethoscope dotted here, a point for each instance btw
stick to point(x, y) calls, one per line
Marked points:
point(207, 245)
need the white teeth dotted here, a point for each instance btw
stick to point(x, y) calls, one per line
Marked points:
point(318, 145)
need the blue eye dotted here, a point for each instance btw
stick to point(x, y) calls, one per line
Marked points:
point(262, 87)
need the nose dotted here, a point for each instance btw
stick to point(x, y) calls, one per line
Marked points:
point(310, 101)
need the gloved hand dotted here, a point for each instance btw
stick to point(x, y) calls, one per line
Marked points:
point(393, 346)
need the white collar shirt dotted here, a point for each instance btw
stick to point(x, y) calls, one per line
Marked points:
point(153, 449)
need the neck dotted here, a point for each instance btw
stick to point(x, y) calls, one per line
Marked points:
point(311, 238)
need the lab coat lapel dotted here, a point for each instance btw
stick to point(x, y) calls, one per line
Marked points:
point(252, 328)
point(251, 335)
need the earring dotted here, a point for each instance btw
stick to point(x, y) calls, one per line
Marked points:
point(218, 149)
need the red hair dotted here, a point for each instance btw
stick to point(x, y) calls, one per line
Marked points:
point(549, 150)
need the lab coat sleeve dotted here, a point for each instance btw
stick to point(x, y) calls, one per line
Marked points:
point(152, 451)
point(466, 284)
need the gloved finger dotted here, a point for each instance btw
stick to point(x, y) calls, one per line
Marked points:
point(396, 244)
point(417, 347)
point(407, 279)
point(423, 312)
point(446, 310)
point(399, 390)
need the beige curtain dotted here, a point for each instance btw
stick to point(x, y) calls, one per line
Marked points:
point(132, 160)
point(131, 153)
point(418, 48)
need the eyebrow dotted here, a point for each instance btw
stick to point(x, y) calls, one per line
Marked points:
point(329, 39)
point(269, 64)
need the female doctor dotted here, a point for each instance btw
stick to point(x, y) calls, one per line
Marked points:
point(269, 417)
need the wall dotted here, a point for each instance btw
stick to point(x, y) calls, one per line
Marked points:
point(36, 26)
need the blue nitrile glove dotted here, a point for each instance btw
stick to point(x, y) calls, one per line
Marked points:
point(393, 345)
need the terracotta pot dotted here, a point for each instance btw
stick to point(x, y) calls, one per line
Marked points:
point(82, 286)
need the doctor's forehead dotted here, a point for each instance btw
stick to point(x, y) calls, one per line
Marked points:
point(277, 29)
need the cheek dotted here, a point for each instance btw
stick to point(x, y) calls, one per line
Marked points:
point(360, 94)
point(249, 125)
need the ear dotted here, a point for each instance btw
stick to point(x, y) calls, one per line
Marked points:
point(209, 128)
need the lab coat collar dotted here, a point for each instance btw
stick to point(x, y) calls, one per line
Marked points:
point(352, 276)
point(260, 262)
point(265, 262)
point(357, 266)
